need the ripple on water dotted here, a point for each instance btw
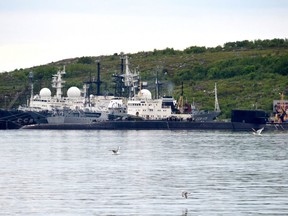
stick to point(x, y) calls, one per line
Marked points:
point(75, 173)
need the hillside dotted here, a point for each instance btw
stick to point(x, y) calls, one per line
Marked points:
point(249, 74)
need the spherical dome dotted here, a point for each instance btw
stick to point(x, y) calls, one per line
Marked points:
point(45, 92)
point(145, 94)
point(73, 92)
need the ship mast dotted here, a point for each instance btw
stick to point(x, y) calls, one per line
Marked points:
point(130, 79)
point(181, 101)
point(217, 107)
point(31, 85)
point(57, 83)
point(158, 84)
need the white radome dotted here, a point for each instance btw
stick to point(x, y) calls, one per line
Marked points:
point(145, 94)
point(73, 92)
point(45, 92)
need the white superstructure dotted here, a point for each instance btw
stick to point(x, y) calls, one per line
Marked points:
point(144, 106)
point(76, 99)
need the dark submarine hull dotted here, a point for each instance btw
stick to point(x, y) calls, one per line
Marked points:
point(242, 120)
point(150, 125)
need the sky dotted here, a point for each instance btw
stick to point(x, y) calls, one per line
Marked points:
point(37, 32)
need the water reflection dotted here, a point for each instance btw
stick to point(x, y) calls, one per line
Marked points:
point(185, 212)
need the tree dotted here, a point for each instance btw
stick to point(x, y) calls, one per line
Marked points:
point(85, 60)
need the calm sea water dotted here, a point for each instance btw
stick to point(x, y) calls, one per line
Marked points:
point(75, 173)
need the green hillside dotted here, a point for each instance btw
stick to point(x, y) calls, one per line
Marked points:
point(249, 74)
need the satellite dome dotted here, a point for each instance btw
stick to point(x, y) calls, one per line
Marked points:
point(145, 94)
point(45, 92)
point(73, 92)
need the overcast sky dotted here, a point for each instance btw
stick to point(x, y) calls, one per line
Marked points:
point(35, 32)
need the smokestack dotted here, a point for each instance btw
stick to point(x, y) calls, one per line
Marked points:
point(122, 62)
point(98, 77)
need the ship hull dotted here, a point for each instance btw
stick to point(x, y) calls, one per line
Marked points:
point(15, 119)
point(150, 125)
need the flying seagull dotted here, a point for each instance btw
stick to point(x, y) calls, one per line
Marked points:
point(185, 194)
point(116, 151)
point(257, 132)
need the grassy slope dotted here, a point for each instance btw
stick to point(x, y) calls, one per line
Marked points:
point(257, 88)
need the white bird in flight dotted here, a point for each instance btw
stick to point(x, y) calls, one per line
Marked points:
point(116, 151)
point(257, 132)
point(185, 194)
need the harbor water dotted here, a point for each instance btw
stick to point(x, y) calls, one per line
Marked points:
point(56, 172)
